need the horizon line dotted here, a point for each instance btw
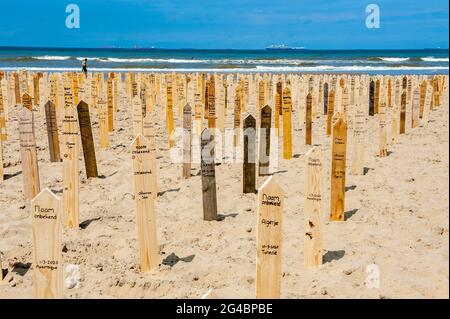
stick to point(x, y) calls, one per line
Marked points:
point(215, 49)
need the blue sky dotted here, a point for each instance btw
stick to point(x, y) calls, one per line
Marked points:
point(244, 24)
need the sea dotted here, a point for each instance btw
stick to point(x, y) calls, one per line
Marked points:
point(426, 61)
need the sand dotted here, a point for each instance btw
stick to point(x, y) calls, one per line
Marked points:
point(397, 219)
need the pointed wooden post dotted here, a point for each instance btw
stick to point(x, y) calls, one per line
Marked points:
point(249, 166)
point(70, 162)
point(330, 111)
point(403, 113)
point(423, 93)
point(87, 140)
point(102, 113)
point(415, 107)
point(359, 130)
point(30, 171)
point(3, 134)
point(170, 125)
point(313, 208)
point(376, 102)
point(187, 141)
point(287, 124)
point(208, 171)
point(149, 134)
point(137, 115)
point(212, 105)
point(52, 132)
point(372, 98)
point(278, 106)
point(308, 119)
point(338, 161)
point(237, 117)
point(145, 203)
point(268, 256)
point(264, 141)
point(382, 129)
point(198, 114)
point(17, 88)
point(46, 234)
point(2, 176)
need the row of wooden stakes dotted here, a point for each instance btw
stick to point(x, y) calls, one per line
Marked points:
point(48, 210)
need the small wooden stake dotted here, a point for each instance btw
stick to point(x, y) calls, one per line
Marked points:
point(52, 132)
point(287, 124)
point(403, 113)
point(308, 133)
point(145, 203)
point(264, 141)
point(30, 171)
point(415, 108)
point(338, 161)
point(170, 125)
point(359, 130)
point(208, 171)
point(137, 115)
point(47, 260)
point(268, 256)
point(249, 166)
point(187, 133)
point(87, 140)
point(102, 113)
point(382, 126)
point(330, 111)
point(313, 208)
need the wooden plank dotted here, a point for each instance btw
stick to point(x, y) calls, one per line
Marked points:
point(237, 115)
point(313, 246)
point(249, 165)
point(308, 120)
point(264, 141)
point(372, 98)
point(376, 102)
point(187, 141)
point(87, 140)
point(110, 106)
point(287, 124)
point(330, 112)
point(2, 176)
point(70, 161)
point(212, 104)
point(268, 256)
point(382, 129)
point(102, 114)
point(278, 106)
point(198, 114)
point(137, 115)
point(30, 170)
point(415, 107)
point(359, 131)
point(17, 88)
point(3, 133)
point(170, 124)
point(208, 171)
point(423, 93)
point(338, 161)
point(145, 203)
point(46, 234)
point(403, 113)
point(52, 132)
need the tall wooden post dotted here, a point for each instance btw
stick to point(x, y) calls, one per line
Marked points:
point(359, 130)
point(52, 132)
point(268, 256)
point(249, 166)
point(187, 130)
point(208, 171)
point(145, 203)
point(46, 234)
point(330, 112)
point(30, 171)
point(313, 208)
point(287, 124)
point(308, 133)
point(403, 113)
point(338, 161)
point(87, 140)
point(264, 141)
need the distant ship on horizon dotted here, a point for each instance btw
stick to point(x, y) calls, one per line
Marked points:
point(283, 47)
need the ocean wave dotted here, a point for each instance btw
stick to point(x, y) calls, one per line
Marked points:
point(394, 59)
point(433, 59)
point(51, 58)
point(258, 68)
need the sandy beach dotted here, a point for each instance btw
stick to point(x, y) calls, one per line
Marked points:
point(396, 218)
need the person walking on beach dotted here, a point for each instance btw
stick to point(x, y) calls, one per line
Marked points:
point(85, 67)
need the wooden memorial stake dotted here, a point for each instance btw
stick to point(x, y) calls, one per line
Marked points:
point(268, 256)
point(110, 106)
point(382, 126)
point(308, 133)
point(87, 140)
point(423, 93)
point(102, 113)
point(330, 111)
point(170, 125)
point(137, 115)
point(187, 130)
point(313, 208)
point(208, 176)
point(212, 105)
point(1, 180)
point(338, 160)
point(278, 106)
point(376, 102)
point(249, 166)
point(3, 134)
point(52, 132)
point(145, 203)
point(47, 259)
point(30, 171)
point(359, 130)
point(70, 162)
point(415, 107)
point(371, 98)
point(287, 124)
point(264, 141)
point(403, 113)
point(237, 116)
